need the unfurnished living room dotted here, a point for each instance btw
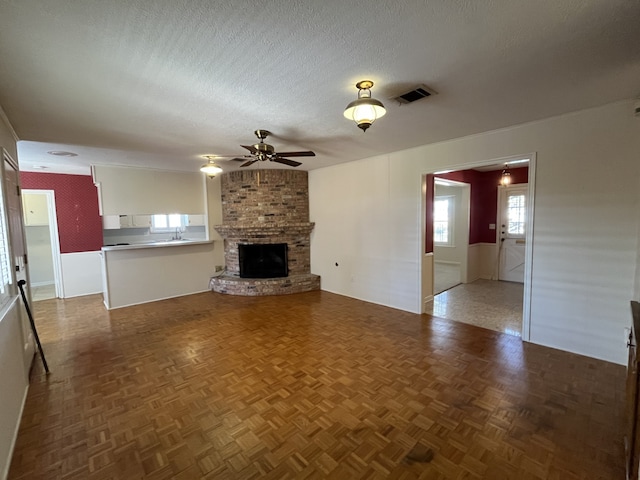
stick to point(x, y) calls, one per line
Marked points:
point(308, 240)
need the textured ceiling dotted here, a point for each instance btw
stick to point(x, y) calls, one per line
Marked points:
point(162, 82)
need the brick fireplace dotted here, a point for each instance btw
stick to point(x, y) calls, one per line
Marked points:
point(266, 207)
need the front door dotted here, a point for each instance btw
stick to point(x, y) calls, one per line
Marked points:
point(513, 224)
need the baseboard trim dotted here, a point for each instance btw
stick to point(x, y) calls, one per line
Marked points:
point(5, 473)
point(446, 262)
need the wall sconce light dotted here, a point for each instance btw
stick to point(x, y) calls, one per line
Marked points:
point(210, 168)
point(506, 176)
point(365, 110)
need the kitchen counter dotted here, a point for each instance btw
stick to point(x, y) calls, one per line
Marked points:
point(162, 243)
point(147, 272)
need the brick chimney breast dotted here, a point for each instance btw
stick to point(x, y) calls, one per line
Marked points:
point(266, 206)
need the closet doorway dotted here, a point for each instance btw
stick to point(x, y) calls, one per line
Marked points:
point(43, 244)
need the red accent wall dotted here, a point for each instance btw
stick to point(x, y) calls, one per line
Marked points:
point(484, 200)
point(79, 223)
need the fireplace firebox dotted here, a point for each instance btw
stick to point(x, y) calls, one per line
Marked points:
point(263, 260)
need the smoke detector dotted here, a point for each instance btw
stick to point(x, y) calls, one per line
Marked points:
point(418, 93)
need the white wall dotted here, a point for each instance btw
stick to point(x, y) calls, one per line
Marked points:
point(482, 262)
point(81, 273)
point(40, 256)
point(354, 236)
point(585, 225)
point(13, 371)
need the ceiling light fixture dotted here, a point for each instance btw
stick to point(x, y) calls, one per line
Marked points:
point(365, 110)
point(62, 153)
point(506, 176)
point(210, 168)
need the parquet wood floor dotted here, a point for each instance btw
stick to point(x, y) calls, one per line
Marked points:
point(307, 386)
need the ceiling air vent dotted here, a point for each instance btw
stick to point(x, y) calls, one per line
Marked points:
point(421, 91)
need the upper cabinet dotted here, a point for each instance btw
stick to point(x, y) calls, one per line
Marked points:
point(142, 190)
point(110, 222)
point(196, 220)
point(114, 222)
point(139, 221)
point(36, 211)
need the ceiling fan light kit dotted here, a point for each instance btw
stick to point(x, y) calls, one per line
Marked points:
point(258, 152)
point(262, 152)
point(210, 168)
point(365, 110)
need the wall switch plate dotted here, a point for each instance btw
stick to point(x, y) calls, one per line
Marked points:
point(492, 226)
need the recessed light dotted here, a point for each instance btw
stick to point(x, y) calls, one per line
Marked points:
point(62, 153)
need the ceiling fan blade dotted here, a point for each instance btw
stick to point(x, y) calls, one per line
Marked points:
point(251, 148)
point(250, 162)
point(286, 161)
point(297, 154)
point(239, 159)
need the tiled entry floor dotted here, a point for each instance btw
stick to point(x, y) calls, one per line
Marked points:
point(485, 303)
point(446, 276)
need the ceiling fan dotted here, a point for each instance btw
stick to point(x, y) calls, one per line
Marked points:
point(261, 152)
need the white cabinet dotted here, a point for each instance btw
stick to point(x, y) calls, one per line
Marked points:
point(126, 221)
point(110, 222)
point(196, 220)
point(131, 221)
point(141, 221)
point(36, 211)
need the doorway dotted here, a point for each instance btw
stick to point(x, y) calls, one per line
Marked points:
point(43, 244)
point(483, 254)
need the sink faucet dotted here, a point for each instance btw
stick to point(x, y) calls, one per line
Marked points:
point(177, 235)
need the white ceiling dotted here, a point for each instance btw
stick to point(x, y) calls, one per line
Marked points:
point(160, 83)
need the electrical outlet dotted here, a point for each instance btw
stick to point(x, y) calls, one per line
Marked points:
point(219, 268)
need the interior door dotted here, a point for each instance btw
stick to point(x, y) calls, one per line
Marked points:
point(513, 226)
point(18, 250)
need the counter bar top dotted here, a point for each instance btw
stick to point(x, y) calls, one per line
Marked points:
point(166, 243)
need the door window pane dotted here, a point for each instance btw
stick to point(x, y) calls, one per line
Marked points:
point(516, 211)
